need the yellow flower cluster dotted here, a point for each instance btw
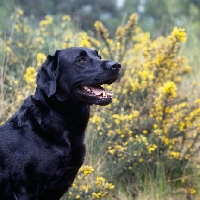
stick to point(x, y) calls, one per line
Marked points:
point(102, 31)
point(175, 154)
point(30, 76)
point(192, 191)
point(48, 20)
point(115, 50)
point(169, 89)
point(20, 12)
point(66, 18)
point(180, 34)
point(100, 181)
point(84, 40)
point(83, 186)
point(40, 59)
point(152, 148)
point(131, 23)
point(86, 169)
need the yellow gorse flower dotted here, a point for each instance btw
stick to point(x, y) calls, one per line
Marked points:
point(40, 59)
point(66, 18)
point(77, 196)
point(84, 186)
point(20, 12)
point(175, 154)
point(30, 77)
point(192, 191)
point(86, 169)
point(180, 34)
point(48, 20)
point(151, 148)
point(169, 88)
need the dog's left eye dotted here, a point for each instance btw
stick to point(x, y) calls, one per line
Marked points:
point(82, 59)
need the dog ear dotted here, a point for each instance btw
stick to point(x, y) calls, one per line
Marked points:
point(46, 77)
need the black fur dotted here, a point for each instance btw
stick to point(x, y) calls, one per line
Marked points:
point(42, 144)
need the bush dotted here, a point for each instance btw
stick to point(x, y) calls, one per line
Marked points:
point(88, 187)
point(150, 129)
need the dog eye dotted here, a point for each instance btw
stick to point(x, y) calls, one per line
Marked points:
point(82, 59)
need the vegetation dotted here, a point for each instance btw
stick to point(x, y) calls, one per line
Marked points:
point(148, 138)
point(157, 17)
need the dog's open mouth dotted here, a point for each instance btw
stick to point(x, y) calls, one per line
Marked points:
point(95, 91)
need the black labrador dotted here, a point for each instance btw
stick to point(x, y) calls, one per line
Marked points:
point(42, 144)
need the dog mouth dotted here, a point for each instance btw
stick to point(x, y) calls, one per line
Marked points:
point(95, 91)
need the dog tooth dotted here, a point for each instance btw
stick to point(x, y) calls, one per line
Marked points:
point(104, 94)
point(87, 88)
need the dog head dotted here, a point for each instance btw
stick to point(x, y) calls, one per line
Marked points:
point(77, 74)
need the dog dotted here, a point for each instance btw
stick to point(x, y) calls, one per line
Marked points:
point(42, 144)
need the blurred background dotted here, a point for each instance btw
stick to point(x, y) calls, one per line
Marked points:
point(155, 16)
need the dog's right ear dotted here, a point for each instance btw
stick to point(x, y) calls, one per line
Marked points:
point(46, 77)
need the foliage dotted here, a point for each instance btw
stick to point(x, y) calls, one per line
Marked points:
point(84, 13)
point(88, 187)
point(150, 130)
point(159, 17)
point(23, 50)
point(149, 125)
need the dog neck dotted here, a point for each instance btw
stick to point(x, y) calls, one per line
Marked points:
point(77, 112)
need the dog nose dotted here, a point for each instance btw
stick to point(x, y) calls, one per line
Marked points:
point(113, 65)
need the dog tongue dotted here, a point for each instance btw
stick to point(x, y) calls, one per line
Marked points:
point(96, 90)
